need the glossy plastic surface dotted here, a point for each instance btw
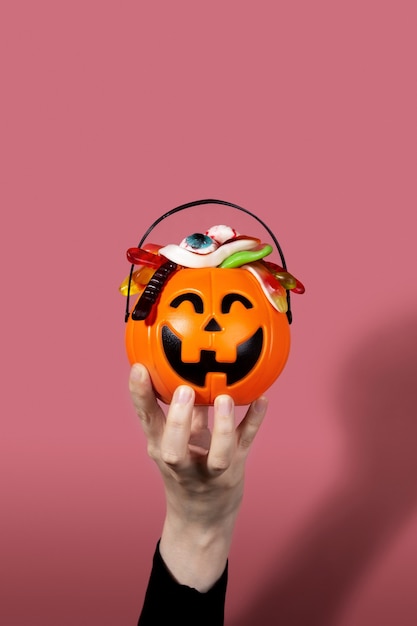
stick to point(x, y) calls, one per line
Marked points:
point(214, 329)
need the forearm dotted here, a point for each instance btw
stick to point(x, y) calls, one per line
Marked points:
point(196, 554)
point(184, 605)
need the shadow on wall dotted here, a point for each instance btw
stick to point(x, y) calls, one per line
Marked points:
point(377, 402)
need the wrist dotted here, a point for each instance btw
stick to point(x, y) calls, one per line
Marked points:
point(203, 509)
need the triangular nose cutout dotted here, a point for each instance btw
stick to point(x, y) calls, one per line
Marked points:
point(212, 326)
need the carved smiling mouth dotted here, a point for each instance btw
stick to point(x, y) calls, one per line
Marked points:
point(248, 353)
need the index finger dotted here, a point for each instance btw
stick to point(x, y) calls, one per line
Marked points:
point(174, 442)
point(223, 441)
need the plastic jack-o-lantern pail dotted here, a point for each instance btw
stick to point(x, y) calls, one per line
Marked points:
point(210, 312)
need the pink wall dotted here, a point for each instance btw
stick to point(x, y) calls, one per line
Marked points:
point(305, 113)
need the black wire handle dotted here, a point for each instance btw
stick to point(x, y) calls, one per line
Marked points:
point(195, 203)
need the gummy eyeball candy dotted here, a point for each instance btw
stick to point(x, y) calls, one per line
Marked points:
point(203, 244)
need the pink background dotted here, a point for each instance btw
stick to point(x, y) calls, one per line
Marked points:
point(303, 112)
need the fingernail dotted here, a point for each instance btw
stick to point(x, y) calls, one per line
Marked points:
point(224, 404)
point(260, 404)
point(183, 394)
point(137, 373)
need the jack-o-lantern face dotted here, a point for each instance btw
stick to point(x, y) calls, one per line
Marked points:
point(215, 330)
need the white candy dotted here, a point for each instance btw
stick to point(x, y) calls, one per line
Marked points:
point(221, 233)
point(185, 257)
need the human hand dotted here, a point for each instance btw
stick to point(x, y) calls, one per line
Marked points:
point(203, 475)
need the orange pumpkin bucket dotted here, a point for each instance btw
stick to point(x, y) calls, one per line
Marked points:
point(211, 312)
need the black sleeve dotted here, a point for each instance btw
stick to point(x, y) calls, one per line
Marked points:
point(167, 600)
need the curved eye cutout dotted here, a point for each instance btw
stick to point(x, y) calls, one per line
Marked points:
point(198, 304)
point(194, 298)
point(235, 297)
